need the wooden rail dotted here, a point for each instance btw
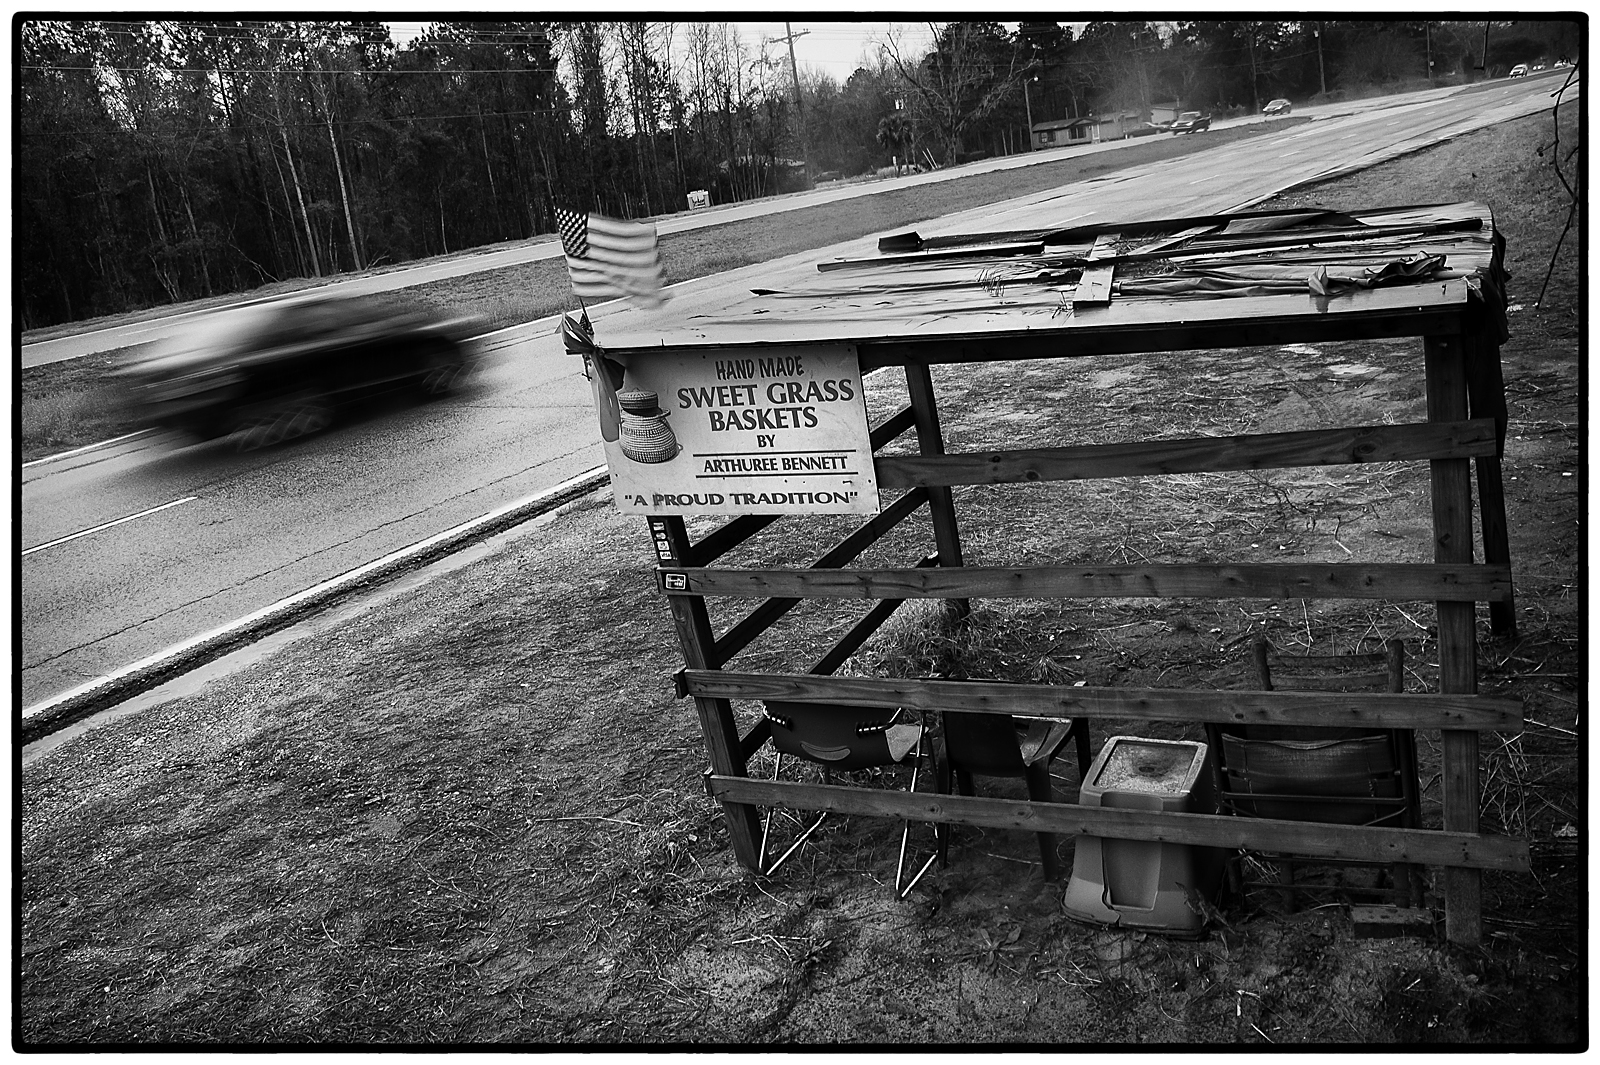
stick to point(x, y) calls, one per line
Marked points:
point(1123, 339)
point(1473, 713)
point(862, 630)
point(1320, 447)
point(1463, 583)
point(762, 618)
point(720, 541)
point(1303, 838)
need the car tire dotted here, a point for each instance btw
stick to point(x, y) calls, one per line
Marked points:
point(290, 418)
point(442, 371)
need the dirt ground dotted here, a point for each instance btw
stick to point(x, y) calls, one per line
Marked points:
point(473, 813)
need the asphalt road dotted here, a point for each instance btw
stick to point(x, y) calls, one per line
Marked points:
point(136, 546)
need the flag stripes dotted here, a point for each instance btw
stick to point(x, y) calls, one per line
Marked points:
point(607, 257)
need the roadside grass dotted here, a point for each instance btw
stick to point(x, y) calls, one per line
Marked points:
point(66, 405)
point(474, 814)
point(81, 410)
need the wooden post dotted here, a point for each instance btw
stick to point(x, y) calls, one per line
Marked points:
point(941, 508)
point(1452, 543)
point(717, 725)
point(1486, 394)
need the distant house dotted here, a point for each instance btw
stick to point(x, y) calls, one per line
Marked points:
point(1118, 124)
point(1057, 132)
point(1165, 114)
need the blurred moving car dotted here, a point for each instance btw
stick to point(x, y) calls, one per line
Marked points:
point(1520, 70)
point(269, 372)
point(1280, 106)
point(1191, 122)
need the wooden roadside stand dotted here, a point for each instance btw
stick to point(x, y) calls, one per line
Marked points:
point(750, 406)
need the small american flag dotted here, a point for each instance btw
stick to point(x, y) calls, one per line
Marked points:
point(606, 257)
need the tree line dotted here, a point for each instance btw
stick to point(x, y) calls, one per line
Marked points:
point(157, 162)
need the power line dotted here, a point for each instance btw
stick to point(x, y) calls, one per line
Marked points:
point(373, 72)
point(222, 127)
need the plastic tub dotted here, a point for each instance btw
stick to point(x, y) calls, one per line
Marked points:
point(1140, 883)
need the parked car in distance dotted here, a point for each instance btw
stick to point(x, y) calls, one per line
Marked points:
point(1191, 122)
point(269, 372)
point(1280, 106)
point(1519, 70)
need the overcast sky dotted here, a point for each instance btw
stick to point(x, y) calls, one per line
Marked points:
point(832, 47)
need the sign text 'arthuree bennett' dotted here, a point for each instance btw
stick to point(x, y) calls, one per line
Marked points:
point(737, 431)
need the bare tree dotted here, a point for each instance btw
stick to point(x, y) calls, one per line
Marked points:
point(645, 49)
point(972, 69)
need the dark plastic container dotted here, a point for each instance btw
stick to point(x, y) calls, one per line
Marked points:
point(1139, 883)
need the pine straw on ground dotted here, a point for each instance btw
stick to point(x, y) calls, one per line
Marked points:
point(474, 814)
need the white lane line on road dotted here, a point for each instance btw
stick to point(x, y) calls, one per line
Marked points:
point(86, 447)
point(107, 525)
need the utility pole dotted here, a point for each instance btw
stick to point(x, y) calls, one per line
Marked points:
point(1250, 43)
point(799, 105)
point(1322, 74)
point(1028, 106)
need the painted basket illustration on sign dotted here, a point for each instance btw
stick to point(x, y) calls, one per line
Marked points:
point(646, 436)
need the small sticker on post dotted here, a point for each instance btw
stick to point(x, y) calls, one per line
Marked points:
point(675, 582)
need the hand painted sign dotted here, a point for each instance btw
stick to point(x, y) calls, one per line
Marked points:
point(738, 431)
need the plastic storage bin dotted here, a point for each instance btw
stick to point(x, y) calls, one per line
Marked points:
point(1140, 883)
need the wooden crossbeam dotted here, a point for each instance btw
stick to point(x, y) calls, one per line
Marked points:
point(862, 630)
point(1463, 583)
point(1319, 447)
point(1141, 329)
point(891, 427)
point(1303, 838)
point(751, 741)
point(1094, 287)
point(869, 533)
point(1375, 678)
point(726, 537)
point(1475, 713)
